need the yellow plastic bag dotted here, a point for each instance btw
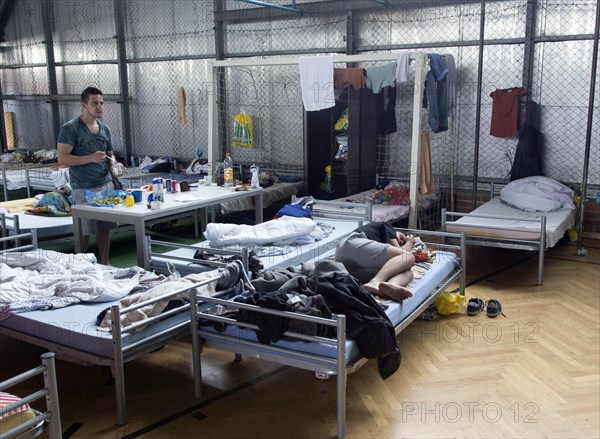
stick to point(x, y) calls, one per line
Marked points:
point(450, 303)
point(242, 131)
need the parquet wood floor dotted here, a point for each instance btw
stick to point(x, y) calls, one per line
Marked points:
point(532, 374)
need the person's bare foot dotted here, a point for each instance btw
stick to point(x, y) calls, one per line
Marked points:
point(394, 292)
point(373, 288)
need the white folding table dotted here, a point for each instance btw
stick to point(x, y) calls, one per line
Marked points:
point(175, 205)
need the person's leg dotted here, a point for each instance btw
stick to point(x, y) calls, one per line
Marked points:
point(391, 280)
point(103, 244)
point(395, 288)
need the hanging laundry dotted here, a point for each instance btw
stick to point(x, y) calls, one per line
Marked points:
point(437, 93)
point(349, 77)
point(181, 106)
point(402, 61)
point(316, 82)
point(451, 82)
point(386, 111)
point(505, 109)
point(427, 184)
point(530, 147)
point(382, 80)
point(381, 76)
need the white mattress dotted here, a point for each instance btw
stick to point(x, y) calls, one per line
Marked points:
point(44, 178)
point(557, 223)
point(299, 253)
point(45, 226)
point(271, 194)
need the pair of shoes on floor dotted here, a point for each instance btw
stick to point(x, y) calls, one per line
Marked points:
point(493, 307)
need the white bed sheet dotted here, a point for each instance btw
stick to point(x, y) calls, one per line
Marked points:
point(557, 222)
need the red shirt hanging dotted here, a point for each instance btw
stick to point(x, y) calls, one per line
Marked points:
point(504, 111)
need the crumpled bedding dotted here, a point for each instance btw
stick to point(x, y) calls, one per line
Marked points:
point(537, 194)
point(162, 289)
point(280, 231)
point(45, 279)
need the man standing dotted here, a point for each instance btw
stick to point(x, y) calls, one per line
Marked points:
point(85, 146)
point(381, 258)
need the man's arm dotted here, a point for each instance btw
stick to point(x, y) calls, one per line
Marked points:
point(65, 158)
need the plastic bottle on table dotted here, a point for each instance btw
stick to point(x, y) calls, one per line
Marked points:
point(228, 171)
point(254, 182)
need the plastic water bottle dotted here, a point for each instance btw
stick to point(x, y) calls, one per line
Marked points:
point(157, 190)
point(228, 171)
point(254, 184)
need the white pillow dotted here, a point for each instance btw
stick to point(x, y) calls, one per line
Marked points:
point(537, 193)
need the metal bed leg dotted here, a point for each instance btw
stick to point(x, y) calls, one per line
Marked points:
point(541, 251)
point(463, 262)
point(52, 401)
point(119, 367)
point(341, 377)
point(196, 346)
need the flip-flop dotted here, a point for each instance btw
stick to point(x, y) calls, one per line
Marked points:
point(494, 308)
point(474, 306)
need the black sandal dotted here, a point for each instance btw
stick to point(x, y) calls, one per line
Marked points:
point(474, 306)
point(494, 308)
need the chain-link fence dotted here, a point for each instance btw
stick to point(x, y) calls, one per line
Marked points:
point(545, 46)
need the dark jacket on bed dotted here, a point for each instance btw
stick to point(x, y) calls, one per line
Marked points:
point(366, 323)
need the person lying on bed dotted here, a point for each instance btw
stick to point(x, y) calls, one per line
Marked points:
point(381, 258)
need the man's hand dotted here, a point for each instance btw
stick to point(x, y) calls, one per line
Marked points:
point(97, 157)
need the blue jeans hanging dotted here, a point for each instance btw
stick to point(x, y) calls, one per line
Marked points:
point(437, 93)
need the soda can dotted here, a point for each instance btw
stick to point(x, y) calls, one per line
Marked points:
point(168, 184)
point(173, 186)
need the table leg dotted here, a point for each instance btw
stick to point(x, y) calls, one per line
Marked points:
point(140, 233)
point(258, 207)
point(77, 236)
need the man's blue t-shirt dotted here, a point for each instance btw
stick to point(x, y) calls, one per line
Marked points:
point(77, 134)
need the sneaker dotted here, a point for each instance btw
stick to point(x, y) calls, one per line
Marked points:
point(474, 306)
point(494, 308)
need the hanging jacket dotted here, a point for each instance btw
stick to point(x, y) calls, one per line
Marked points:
point(530, 146)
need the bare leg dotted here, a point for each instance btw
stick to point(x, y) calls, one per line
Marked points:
point(400, 262)
point(395, 288)
point(103, 243)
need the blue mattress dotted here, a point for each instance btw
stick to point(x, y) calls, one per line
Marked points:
point(443, 265)
point(74, 326)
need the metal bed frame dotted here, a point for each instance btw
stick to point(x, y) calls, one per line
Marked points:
point(360, 212)
point(48, 420)
point(536, 245)
point(29, 170)
point(122, 350)
point(318, 363)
